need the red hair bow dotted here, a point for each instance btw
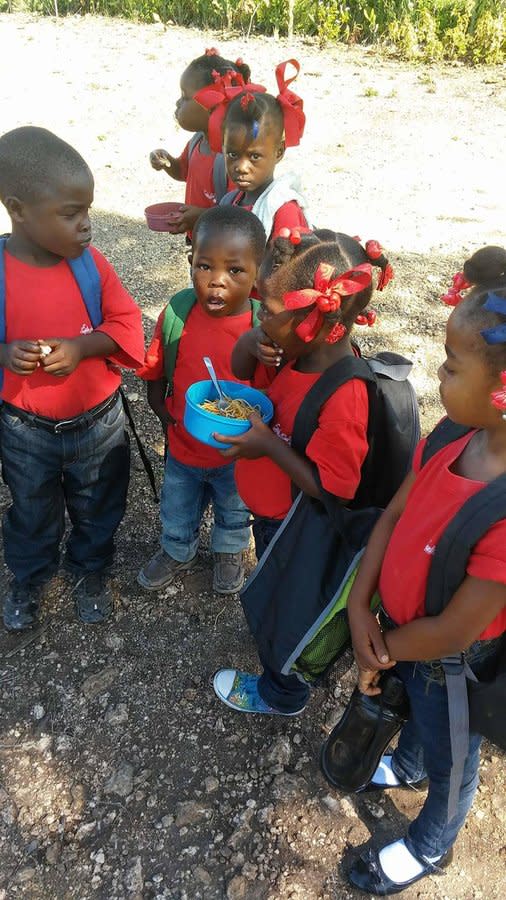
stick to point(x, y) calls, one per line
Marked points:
point(216, 98)
point(455, 294)
point(291, 104)
point(293, 234)
point(374, 251)
point(326, 295)
point(367, 318)
point(499, 397)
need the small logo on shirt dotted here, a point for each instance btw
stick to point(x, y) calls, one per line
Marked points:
point(209, 196)
point(429, 548)
point(86, 329)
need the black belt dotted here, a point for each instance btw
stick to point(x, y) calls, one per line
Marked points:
point(77, 423)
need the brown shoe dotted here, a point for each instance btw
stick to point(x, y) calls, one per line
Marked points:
point(161, 570)
point(228, 576)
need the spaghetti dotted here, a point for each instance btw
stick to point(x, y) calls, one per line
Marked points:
point(235, 409)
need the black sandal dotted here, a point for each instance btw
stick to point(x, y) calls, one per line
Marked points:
point(367, 875)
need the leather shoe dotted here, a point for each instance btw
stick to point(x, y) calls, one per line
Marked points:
point(367, 875)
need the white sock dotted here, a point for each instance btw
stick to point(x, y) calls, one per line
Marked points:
point(384, 774)
point(398, 863)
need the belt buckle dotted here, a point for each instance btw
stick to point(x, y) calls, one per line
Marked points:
point(60, 426)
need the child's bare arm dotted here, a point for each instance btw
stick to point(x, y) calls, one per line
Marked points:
point(161, 159)
point(369, 646)
point(476, 603)
point(253, 347)
point(156, 392)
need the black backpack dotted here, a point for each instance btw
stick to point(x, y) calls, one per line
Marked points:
point(473, 705)
point(295, 599)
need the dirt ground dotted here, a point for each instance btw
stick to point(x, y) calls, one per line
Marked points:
point(121, 776)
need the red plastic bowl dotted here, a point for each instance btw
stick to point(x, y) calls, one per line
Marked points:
point(160, 216)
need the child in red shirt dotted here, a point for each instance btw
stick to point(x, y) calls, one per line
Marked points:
point(309, 305)
point(399, 554)
point(257, 128)
point(63, 429)
point(196, 164)
point(228, 244)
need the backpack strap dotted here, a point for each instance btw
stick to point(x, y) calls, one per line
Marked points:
point(220, 177)
point(444, 433)
point(194, 142)
point(85, 272)
point(176, 314)
point(306, 420)
point(229, 199)
point(255, 309)
point(447, 572)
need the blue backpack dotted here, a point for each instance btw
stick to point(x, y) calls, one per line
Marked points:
point(87, 277)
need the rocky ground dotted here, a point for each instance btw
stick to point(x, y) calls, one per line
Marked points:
point(121, 776)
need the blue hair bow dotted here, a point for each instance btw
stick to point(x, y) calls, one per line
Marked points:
point(496, 335)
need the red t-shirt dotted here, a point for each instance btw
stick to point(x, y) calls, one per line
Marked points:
point(338, 447)
point(290, 215)
point(435, 498)
point(47, 303)
point(202, 335)
point(197, 171)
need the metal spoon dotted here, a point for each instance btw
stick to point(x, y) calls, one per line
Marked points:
point(222, 400)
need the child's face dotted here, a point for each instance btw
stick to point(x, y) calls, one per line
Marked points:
point(224, 268)
point(58, 222)
point(279, 323)
point(251, 161)
point(189, 114)
point(466, 381)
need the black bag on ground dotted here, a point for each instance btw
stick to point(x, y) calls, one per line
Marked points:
point(294, 600)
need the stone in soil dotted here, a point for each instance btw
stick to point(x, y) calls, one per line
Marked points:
point(121, 781)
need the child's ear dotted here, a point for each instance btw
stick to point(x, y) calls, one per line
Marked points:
point(281, 151)
point(14, 207)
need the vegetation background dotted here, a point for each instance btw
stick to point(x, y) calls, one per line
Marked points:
point(470, 30)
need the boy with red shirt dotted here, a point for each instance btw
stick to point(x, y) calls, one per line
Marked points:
point(63, 431)
point(228, 245)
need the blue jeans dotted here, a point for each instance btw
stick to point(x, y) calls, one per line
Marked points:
point(85, 471)
point(186, 492)
point(424, 749)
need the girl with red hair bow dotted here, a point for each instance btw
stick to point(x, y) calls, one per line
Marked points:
point(256, 128)
point(200, 166)
point(309, 306)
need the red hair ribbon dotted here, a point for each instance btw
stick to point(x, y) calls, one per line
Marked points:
point(293, 234)
point(367, 318)
point(455, 294)
point(375, 252)
point(326, 296)
point(216, 98)
point(499, 397)
point(211, 51)
point(291, 104)
point(246, 99)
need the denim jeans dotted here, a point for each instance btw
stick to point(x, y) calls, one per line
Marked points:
point(186, 492)
point(85, 471)
point(424, 749)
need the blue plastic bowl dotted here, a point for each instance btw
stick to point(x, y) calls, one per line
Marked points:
point(202, 424)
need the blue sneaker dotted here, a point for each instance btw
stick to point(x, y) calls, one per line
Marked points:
point(239, 690)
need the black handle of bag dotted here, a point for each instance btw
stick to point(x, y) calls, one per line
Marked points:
point(142, 453)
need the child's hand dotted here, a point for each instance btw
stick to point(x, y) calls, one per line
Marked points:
point(65, 356)
point(368, 682)
point(188, 218)
point(368, 645)
point(160, 159)
point(250, 445)
point(21, 357)
point(266, 351)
